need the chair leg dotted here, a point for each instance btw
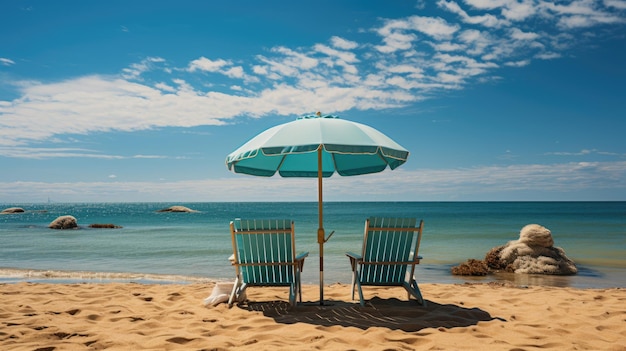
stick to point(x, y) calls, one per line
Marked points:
point(293, 293)
point(413, 290)
point(357, 280)
point(353, 283)
point(354, 269)
point(299, 286)
point(234, 292)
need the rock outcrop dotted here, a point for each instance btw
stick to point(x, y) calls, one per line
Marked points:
point(533, 253)
point(104, 226)
point(64, 222)
point(177, 209)
point(12, 210)
point(471, 267)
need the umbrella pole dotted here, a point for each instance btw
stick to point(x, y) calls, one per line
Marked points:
point(320, 231)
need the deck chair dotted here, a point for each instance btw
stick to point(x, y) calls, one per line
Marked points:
point(389, 255)
point(264, 255)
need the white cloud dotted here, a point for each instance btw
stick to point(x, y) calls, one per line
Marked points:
point(207, 65)
point(520, 63)
point(397, 34)
point(447, 46)
point(287, 63)
point(519, 11)
point(343, 44)
point(518, 34)
point(436, 28)
point(344, 59)
point(581, 14)
point(165, 87)
point(6, 62)
point(476, 41)
point(514, 10)
point(296, 59)
point(618, 4)
point(584, 152)
point(416, 56)
point(344, 56)
point(235, 72)
point(137, 69)
point(395, 41)
point(486, 20)
point(407, 68)
point(548, 55)
point(38, 153)
point(493, 182)
point(100, 104)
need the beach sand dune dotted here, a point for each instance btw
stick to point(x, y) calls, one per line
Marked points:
point(128, 316)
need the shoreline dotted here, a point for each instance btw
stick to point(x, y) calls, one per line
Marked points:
point(587, 278)
point(495, 316)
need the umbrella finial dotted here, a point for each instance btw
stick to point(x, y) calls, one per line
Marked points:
point(317, 114)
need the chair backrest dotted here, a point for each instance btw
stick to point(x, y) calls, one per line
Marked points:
point(390, 245)
point(264, 251)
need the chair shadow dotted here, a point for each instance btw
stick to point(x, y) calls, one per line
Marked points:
point(388, 313)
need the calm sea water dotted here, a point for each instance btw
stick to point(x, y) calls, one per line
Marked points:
point(197, 245)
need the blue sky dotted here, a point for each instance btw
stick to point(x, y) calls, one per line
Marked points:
point(142, 100)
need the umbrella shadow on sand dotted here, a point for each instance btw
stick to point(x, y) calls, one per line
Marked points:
point(388, 313)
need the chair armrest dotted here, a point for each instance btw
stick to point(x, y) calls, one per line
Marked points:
point(354, 259)
point(300, 260)
point(302, 256)
point(353, 256)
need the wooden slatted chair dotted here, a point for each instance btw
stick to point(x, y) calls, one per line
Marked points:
point(389, 255)
point(264, 255)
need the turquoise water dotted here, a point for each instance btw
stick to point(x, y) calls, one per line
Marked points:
point(197, 245)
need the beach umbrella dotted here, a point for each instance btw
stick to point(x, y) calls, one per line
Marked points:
point(317, 146)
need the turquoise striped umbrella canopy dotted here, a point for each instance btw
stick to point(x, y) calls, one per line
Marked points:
point(317, 146)
point(348, 148)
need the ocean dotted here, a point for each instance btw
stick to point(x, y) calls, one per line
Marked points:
point(156, 246)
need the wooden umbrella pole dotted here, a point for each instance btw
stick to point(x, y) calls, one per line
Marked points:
point(320, 231)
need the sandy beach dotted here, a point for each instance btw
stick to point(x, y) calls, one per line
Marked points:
point(129, 316)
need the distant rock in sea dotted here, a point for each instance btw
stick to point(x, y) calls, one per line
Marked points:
point(64, 222)
point(533, 253)
point(104, 226)
point(11, 210)
point(177, 209)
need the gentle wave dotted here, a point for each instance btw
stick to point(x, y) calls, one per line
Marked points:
point(8, 274)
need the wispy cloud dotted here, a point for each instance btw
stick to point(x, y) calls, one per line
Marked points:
point(66, 152)
point(583, 152)
point(6, 62)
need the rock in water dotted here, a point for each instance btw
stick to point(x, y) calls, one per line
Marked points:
point(534, 253)
point(177, 209)
point(12, 210)
point(64, 222)
point(104, 226)
point(536, 235)
point(471, 267)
